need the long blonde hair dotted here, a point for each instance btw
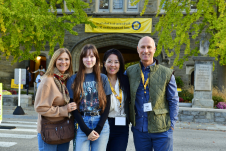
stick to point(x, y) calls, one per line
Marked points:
point(80, 77)
point(52, 64)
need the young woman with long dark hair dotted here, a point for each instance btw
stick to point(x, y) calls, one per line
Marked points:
point(91, 91)
point(113, 67)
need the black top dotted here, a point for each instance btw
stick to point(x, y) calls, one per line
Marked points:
point(103, 117)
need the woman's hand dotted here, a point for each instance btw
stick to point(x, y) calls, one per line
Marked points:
point(71, 106)
point(93, 136)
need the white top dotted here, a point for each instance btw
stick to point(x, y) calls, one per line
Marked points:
point(39, 77)
point(115, 104)
point(43, 70)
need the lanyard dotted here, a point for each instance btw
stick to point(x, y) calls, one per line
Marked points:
point(142, 77)
point(116, 95)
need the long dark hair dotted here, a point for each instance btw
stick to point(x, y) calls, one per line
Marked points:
point(120, 74)
point(28, 67)
point(77, 85)
point(41, 66)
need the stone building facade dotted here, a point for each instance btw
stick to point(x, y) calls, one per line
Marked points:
point(125, 42)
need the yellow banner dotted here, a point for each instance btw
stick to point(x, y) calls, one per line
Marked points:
point(1, 102)
point(13, 85)
point(120, 25)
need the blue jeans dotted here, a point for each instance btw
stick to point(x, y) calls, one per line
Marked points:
point(82, 142)
point(42, 146)
point(145, 141)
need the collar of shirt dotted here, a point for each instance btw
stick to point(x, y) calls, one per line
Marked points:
point(148, 67)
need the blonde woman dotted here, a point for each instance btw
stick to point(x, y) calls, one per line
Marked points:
point(52, 98)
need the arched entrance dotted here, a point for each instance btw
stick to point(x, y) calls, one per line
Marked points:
point(34, 65)
point(126, 43)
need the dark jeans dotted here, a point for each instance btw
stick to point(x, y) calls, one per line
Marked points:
point(145, 141)
point(118, 138)
point(26, 86)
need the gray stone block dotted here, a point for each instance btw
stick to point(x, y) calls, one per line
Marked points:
point(219, 119)
point(203, 120)
point(186, 112)
point(10, 100)
point(209, 115)
point(187, 118)
point(217, 114)
point(224, 115)
point(202, 103)
point(202, 113)
point(200, 117)
point(194, 113)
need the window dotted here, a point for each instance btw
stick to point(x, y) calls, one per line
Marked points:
point(193, 6)
point(115, 6)
point(59, 7)
point(103, 4)
point(130, 7)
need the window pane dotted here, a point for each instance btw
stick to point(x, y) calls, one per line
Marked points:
point(130, 6)
point(103, 4)
point(117, 4)
point(194, 3)
point(58, 6)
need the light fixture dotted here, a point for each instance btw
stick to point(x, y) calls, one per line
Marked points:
point(38, 58)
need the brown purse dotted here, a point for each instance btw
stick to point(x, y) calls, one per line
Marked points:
point(57, 132)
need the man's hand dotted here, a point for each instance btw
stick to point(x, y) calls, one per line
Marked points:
point(93, 136)
point(172, 128)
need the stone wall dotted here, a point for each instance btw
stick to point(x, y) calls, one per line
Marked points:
point(202, 115)
point(7, 70)
point(75, 43)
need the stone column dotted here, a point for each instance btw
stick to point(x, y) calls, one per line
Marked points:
point(203, 82)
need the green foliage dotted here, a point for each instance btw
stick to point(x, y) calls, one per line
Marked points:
point(179, 82)
point(27, 24)
point(178, 26)
point(130, 64)
point(186, 95)
point(217, 99)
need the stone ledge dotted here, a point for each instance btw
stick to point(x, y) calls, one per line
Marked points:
point(202, 109)
point(202, 115)
point(12, 100)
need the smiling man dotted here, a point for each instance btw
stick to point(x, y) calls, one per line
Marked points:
point(154, 100)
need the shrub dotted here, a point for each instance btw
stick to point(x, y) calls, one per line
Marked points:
point(179, 82)
point(13, 92)
point(221, 105)
point(186, 95)
point(181, 100)
point(130, 64)
point(219, 93)
point(217, 99)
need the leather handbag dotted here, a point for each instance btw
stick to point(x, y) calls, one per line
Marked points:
point(57, 132)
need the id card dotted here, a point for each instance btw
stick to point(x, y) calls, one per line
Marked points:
point(147, 107)
point(121, 121)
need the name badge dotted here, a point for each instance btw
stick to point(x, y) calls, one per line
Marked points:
point(147, 107)
point(121, 121)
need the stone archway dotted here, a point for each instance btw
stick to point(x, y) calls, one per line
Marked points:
point(105, 41)
point(190, 73)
